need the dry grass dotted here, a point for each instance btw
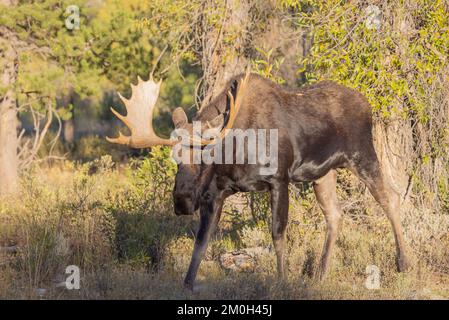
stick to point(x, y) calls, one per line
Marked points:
point(117, 225)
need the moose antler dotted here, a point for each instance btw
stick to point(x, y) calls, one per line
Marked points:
point(235, 105)
point(139, 116)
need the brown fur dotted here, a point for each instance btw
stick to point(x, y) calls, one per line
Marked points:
point(322, 127)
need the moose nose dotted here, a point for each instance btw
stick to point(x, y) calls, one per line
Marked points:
point(183, 205)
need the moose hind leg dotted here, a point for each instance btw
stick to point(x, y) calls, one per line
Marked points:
point(369, 171)
point(279, 208)
point(326, 195)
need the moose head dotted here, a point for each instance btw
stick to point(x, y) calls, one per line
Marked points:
point(191, 178)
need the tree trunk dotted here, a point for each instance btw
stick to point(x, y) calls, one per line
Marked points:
point(68, 125)
point(8, 114)
point(8, 149)
point(69, 130)
point(222, 59)
point(216, 70)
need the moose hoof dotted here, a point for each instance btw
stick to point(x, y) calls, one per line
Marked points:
point(192, 288)
point(188, 286)
point(404, 265)
point(320, 275)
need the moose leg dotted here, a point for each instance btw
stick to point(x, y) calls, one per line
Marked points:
point(279, 208)
point(370, 173)
point(210, 212)
point(326, 195)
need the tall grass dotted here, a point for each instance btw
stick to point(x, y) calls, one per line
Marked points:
point(115, 222)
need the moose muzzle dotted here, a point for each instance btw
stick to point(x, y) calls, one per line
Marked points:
point(184, 205)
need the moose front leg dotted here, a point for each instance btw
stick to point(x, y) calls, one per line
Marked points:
point(210, 212)
point(279, 208)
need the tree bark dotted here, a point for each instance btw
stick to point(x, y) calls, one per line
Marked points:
point(8, 114)
point(222, 59)
point(68, 126)
point(69, 130)
point(217, 71)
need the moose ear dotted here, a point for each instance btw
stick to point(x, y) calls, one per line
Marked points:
point(179, 117)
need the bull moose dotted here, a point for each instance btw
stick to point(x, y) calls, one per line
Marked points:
point(321, 127)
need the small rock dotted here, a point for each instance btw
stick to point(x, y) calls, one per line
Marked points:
point(41, 292)
point(242, 260)
point(11, 249)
